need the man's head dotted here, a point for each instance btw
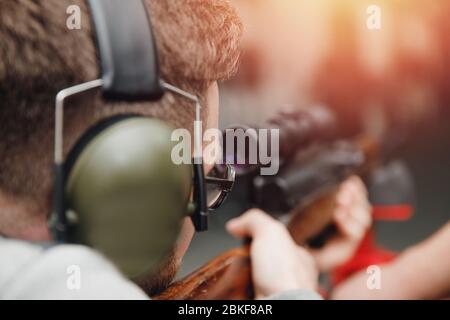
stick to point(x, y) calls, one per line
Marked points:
point(198, 44)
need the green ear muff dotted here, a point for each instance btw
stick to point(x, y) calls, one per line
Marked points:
point(127, 195)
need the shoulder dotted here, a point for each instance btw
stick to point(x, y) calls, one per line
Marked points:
point(15, 256)
point(61, 272)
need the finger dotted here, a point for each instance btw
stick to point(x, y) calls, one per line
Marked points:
point(345, 195)
point(360, 208)
point(250, 224)
point(348, 225)
point(358, 189)
point(341, 218)
point(362, 214)
point(358, 185)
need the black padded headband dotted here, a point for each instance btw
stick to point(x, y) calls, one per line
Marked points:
point(127, 50)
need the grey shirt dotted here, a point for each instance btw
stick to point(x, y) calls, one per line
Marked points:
point(30, 271)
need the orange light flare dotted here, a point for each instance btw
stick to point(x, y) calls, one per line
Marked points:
point(300, 51)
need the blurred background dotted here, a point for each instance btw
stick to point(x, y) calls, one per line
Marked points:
point(301, 53)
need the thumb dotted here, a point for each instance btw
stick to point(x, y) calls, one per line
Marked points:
point(250, 224)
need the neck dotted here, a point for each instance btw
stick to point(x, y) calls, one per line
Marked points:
point(22, 220)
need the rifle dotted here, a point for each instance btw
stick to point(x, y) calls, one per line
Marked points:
point(306, 185)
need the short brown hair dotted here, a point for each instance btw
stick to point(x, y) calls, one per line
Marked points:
point(198, 43)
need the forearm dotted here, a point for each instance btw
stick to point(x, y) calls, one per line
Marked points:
point(421, 272)
point(424, 270)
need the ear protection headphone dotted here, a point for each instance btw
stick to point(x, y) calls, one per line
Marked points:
point(118, 190)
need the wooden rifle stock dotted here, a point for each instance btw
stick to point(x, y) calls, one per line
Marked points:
point(228, 277)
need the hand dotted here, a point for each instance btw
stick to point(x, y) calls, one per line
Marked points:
point(278, 263)
point(353, 217)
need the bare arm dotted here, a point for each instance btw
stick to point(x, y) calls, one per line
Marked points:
point(421, 272)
